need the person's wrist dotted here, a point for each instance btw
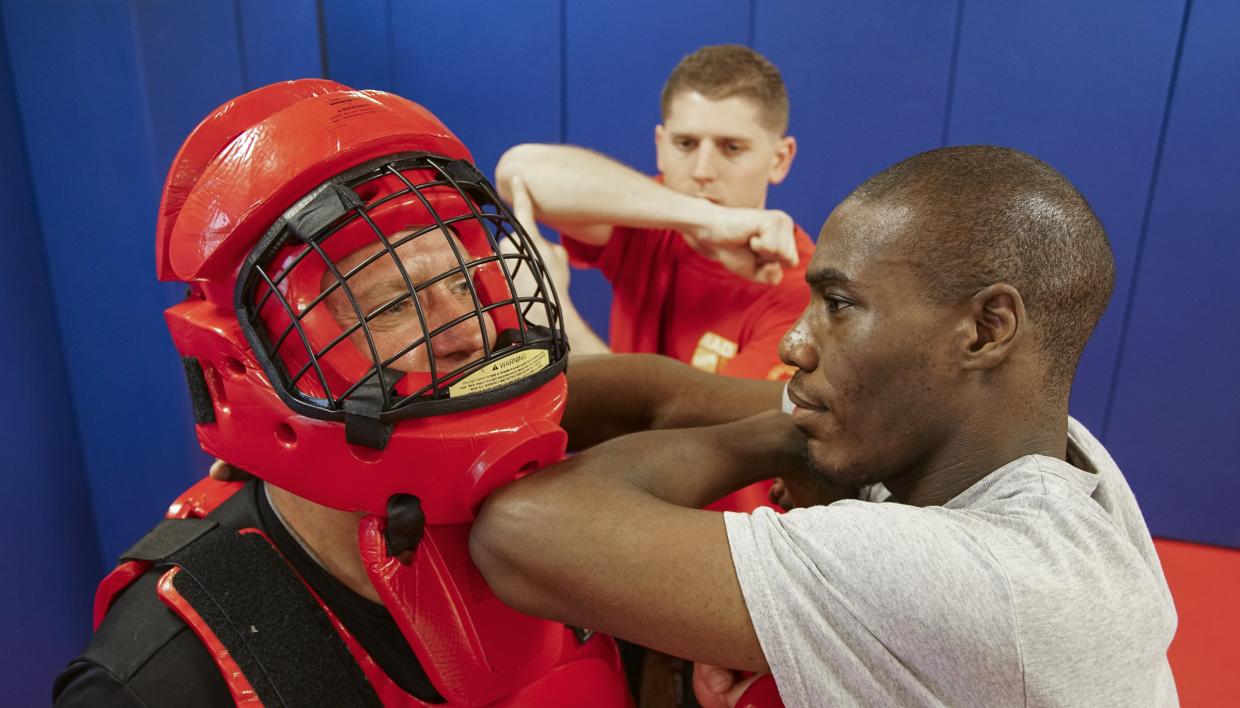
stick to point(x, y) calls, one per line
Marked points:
point(703, 220)
point(765, 445)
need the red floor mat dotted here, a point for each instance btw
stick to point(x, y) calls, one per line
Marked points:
point(1205, 655)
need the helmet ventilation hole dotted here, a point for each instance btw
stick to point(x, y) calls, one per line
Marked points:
point(233, 366)
point(285, 435)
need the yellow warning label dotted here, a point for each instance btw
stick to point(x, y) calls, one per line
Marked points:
point(513, 367)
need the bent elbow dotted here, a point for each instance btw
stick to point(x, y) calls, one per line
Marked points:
point(514, 161)
point(495, 543)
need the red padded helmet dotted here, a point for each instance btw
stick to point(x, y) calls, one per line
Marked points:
point(353, 328)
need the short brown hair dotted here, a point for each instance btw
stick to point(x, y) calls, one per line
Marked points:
point(724, 70)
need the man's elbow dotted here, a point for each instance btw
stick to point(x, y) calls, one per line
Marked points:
point(515, 161)
point(496, 541)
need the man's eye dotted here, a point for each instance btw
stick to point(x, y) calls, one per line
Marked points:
point(686, 144)
point(460, 286)
point(835, 304)
point(733, 148)
point(400, 308)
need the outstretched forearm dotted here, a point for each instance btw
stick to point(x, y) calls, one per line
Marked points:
point(574, 188)
point(586, 195)
point(614, 395)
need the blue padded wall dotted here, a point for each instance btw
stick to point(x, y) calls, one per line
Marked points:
point(279, 41)
point(616, 58)
point(50, 552)
point(1175, 418)
point(1082, 87)
point(1138, 108)
point(868, 85)
point(357, 38)
point(139, 77)
point(489, 70)
point(95, 187)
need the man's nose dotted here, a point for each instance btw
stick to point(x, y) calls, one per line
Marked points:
point(704, 169)
point(797, 349)
point(462, 338)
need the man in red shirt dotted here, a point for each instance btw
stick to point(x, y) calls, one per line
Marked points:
point(693, 256)
point(677, 249)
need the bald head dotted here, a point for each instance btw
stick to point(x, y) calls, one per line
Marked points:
point(983, 214)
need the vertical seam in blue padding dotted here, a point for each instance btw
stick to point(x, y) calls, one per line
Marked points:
point(753, 23)
point(321, 15)
point(148, 126)
point(951, 75)
point(1145, 221)
point(245, 68)
point(53, 303)
point(390, 38)
point(563, 71)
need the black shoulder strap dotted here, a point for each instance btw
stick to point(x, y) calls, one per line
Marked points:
point(251, 599)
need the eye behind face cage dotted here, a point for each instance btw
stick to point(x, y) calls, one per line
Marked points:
point(299, 365)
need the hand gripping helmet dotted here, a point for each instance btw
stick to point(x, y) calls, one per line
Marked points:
point(353, 329)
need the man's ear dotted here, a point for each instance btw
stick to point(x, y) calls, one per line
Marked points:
point(995, 322)
point(785, 150)
point(658, 147)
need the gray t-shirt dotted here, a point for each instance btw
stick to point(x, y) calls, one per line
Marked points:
point(1037, 586)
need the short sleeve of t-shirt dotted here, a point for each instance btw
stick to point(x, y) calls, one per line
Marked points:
point(583, 254)
point(859, 603)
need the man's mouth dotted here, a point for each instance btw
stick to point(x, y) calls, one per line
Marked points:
point(800, 401)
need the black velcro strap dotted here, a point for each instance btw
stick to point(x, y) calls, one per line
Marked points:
point(362, 425)
point(464, 172)
point(170, 536)
point(271, 624)
point(326, 207)
point(199, 394)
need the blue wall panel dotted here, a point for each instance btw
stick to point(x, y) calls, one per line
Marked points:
point(279, 40)
point(358, 36)
point(190, 62)
point(489, 70)
point(867, 83)
point(617, 56)
point(50, 553)
point(492, 72)
point(1083, 87)
point(1175, 421)
point(104, 93)
point(93, 147)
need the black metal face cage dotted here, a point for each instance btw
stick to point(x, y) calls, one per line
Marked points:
point(370, 405)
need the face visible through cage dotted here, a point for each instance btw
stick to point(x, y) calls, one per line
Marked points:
point(375, 290)
point(402, 298)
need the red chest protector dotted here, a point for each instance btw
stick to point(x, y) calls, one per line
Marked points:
point(475, 650)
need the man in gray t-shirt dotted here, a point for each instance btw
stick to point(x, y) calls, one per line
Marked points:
point(1038, 585)
point(1005, 561)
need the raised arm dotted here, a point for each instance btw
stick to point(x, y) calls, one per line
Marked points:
point(584, 195)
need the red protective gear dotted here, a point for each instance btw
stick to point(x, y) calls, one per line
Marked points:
point(256, 213)
point(312, 375)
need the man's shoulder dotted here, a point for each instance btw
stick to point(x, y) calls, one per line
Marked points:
point(142, 654)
